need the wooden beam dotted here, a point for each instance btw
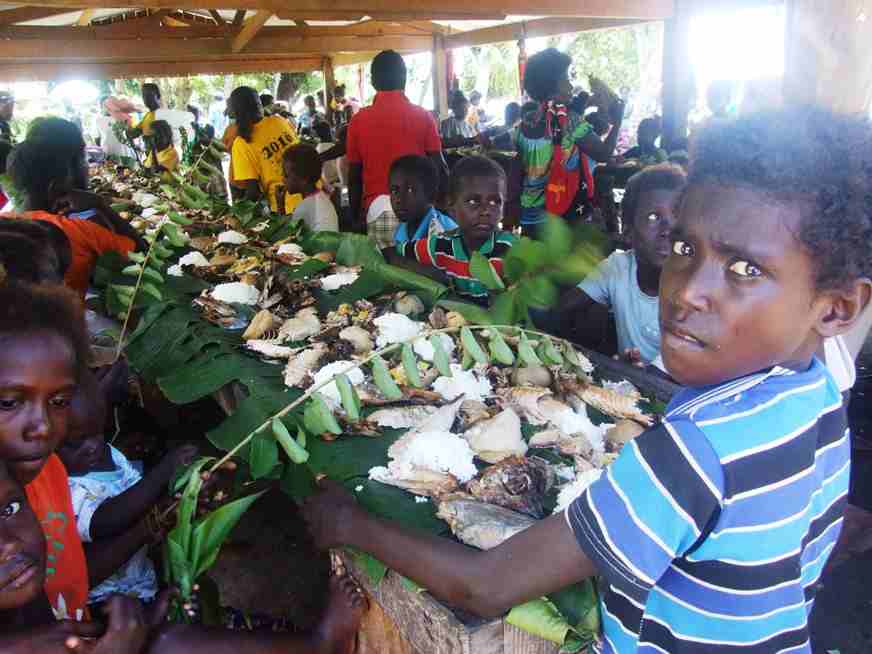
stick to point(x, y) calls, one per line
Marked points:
point(173, 21)
point(24, 14)
point(249, 30)
point(440, 76)
point(352, 58)
point(533, 29)
point(178, 49)
point(59, 71)
point(329, 85)
point(425, 9)
point(677, 74)
point(219, 19)
point(403, 15)
point(239, 18)
point(85, 18)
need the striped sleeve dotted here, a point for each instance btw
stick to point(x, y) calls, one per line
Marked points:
point(419, 250)
point(650, 507)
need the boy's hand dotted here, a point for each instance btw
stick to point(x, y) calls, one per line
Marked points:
point(129, 627)
point(616, 111)
point(183, 455)
point(75, 201)
point(47, 638)
point(631, 355)
point(331, 514)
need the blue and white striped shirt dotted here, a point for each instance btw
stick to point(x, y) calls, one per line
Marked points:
point(712, 529)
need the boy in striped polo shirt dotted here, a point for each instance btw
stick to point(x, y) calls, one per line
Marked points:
point(711, 530)
point(477, 193)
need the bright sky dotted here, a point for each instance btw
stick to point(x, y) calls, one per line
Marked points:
point(739, 45)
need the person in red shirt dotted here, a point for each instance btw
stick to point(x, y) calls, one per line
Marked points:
point(391, 128)
point(49, 169)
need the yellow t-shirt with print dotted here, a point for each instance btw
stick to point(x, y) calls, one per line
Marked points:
point(261, 158)
point(144, 126)
point(168, 158)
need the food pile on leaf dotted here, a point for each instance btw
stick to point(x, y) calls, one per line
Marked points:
point(438, 414)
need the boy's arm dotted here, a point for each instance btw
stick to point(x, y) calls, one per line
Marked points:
point(454, 573)
point(118, 513)
point(105, 557)
point(355, 195)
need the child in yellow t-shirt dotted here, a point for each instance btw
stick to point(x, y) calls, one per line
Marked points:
point(257, 151)
point(164, 155)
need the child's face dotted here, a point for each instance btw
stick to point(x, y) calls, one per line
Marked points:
point(37, 382)
point(293, 182)
point(737, 292)
point(653, 224)
point(22, 547)
point(84, 448)
point(478, 207)
point(409, 197)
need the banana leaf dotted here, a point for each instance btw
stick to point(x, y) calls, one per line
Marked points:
point(473, 313)
point(357, 250)
point(371, 566)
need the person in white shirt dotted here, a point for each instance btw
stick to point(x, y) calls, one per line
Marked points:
point(302, 172)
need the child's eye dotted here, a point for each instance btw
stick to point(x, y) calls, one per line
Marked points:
point(682, 248)
point(8, 404)
point(10, 509)
point(61, 402)
point(653, 217)
point(745, 269)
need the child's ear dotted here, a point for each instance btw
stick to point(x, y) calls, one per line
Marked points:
point(844, 308)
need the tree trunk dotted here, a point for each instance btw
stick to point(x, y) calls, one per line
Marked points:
point(289, 87)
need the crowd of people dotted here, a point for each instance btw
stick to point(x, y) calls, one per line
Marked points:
point(744, 264)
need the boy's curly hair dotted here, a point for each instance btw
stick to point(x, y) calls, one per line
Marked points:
point(808, 156)
point(474, 166)
point(543, 72)
point(28, 308)
point(665, 176)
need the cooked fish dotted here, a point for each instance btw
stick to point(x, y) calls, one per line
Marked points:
point(480, 524)
point(518, 483)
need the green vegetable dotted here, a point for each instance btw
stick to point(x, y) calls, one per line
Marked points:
point(153, 275)
point(440, 356)
point(410, 365)
point(179, 219)
point(549, 353)
point(174, 235)
point(160, 251)
point(138, 257)
point(471, 346)
point(318, 418)
point(301, 437)
point(483, 271)
point(132, 271)
point(526, 353)
point(499, 349)
point(296, 452)
point(350, 400)
point(467, 362)
point(152, 290)
point(123, 290)
point(382, 378)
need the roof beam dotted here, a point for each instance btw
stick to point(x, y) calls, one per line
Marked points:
point(24, 14)
point(58, 71)
point(219, 19)
point(425, 9)
point(181, 49)
point(239, 18)
point(149, 29)
point(85, 18)
point(533, 29)
point(249, 30)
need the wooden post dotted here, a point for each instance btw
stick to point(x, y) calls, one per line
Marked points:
point(440, 76)
point(329, 85)
point(827, 59)
point(361, 84)
point(677, 74)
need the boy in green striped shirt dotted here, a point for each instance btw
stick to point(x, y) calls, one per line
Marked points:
point(477, 190)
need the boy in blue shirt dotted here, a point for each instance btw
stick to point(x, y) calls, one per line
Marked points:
point(628, 282)
point(711, 530)
point(414, 183)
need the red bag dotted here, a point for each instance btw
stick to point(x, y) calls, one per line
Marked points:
point(563, 183)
